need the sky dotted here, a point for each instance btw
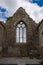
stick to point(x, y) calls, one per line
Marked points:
point(34, 8)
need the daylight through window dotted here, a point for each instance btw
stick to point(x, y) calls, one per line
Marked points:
point(21, 33)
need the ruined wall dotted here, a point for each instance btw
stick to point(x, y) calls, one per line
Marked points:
point(15, 49)
point(40, 30)
point(2, 37)
point(8, 31)
point(41, 34)
point(30, 52)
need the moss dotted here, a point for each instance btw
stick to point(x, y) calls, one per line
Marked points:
point(9, 19)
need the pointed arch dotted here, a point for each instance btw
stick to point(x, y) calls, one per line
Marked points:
point(21, 32)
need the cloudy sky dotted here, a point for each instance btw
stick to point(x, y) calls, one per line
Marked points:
point(33, 7)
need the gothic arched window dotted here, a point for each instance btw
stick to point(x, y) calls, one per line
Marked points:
point(21, 33)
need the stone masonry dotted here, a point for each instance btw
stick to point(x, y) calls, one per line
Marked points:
point(29, 53)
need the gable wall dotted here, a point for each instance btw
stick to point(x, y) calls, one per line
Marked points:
point(11, 48)
point(19, 49)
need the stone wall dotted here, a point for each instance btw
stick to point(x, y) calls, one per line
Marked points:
point(40, 31)
point(41, 34)
point(11, 23)
point(8, 37)
point(2, 37)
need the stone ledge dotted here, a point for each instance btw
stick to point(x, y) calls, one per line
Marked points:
point(16, 60)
